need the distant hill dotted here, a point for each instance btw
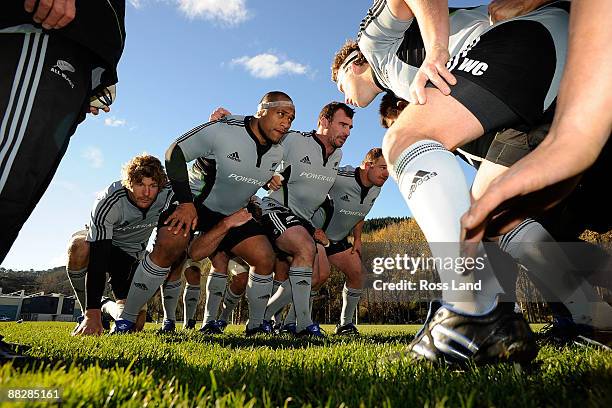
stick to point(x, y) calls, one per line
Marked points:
point(375, 224)
point(48, 281)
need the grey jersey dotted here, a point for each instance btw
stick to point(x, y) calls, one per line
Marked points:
point(351, 201)
point(308, 176)
point(231, 165)
point(114, 216)
point(382, 39)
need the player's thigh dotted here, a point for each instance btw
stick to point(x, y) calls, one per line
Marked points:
point(257, 251)
point(296, 241)
point(348, 263)
point(442, 118)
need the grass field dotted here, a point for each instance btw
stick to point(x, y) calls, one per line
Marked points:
point(190, 369)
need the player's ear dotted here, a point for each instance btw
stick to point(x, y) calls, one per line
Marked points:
point(324, 122)
point(401, 104)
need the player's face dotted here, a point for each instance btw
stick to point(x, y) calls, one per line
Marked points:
point(355, 89)
point(276, 122)
point(377, 172)
point(339, 128)
point(144, 192)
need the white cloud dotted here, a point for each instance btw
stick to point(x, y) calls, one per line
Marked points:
point(66, 185)
point(269, 66)
point(94, 156)
point(227, 11)
point(136, 3)
point(114, 122)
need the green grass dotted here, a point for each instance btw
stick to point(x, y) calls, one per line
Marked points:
point(189, 369)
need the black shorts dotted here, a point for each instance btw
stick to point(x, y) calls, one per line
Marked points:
point(277, 218)
point(207, 219)
point(121, 270)
point(505, 77)
point(511, 145)
point(335, 247)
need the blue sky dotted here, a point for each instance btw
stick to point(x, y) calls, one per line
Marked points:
point(182, 59)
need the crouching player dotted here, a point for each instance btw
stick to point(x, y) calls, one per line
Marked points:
point(350, 199)
point(122, 220)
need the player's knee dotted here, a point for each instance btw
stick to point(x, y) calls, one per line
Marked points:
point(355, 277)
point(240, 281)
point(307, 249)
point(168, 249)
point(192, 275)
point(264, 263)
point(78, 251)
point(321, 277)
point(397, 139)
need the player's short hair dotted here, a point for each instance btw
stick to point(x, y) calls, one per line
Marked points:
point(331, 108)
point(389, 109)
point(274, 96)
point(348, 47)
point(373, 155)
point(142, 166)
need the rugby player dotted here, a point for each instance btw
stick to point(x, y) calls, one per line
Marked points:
point(122, 220)
point(244, 153)
point(586, 92)
point(496, 86)
point(307, 172)
point(350, 200)
point(565, 278)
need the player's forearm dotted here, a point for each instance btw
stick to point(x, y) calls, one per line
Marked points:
point(99, 254)
point(176, 168)
point(206, 244)
point(357, 229)
point(583, 119)
point(432, 16)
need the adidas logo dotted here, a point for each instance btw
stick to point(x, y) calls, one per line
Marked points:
point(345, 197)
point(305, 160)
point(141, 286)
point(234, 156)
point(302, 283)
point(420, 177)
point(289, 218)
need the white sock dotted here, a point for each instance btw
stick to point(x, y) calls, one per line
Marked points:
point(147, 278)
point(434, 187)
point(191, 297)
point(300, 279)
point(350, 300)
point(170, 294)
point(258, 292)
point(279, 299)
point(230, 300)
point(552, 272)
point(215, 288)
point(77, 280)
point(112, 308)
